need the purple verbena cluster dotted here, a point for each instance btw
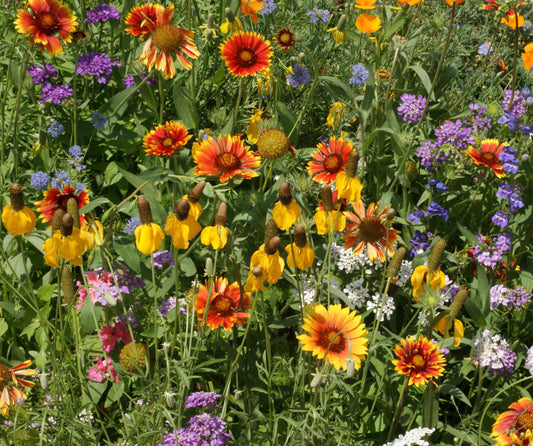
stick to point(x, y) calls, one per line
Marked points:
point(204, 429)
point(161, 258)
point(55, 93)
point(420, 242)
point(101, 13)
point(492, 351)
point(40, 74)
point(510, 298)
point(202, 399)
point(96, 64)
point(412, 107)
point(490, 255)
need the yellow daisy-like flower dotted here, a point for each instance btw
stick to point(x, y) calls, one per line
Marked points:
point(253, 130)
point(422, 276)
point(17, 218)
point(148, 237)
point(336, 110)
point(268, 259)
point(334, 334)
point(515, 426)
point(286, 211)
point(181, 225)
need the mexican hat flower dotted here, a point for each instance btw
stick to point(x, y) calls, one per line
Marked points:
point(17, 218)
point(515, 426)
point(67, 243)
point(329, 159)
point(267, 258)
point(347, 184)
point(367, 229)
point(286, 211)
point(329, 218)
point(368, 23)
point(166, 140)
point(9, 379)
point(55, 199)
point(527, 56)
point(217, 235)
point(181, 225)
point(246, 53)
point(300, 253)
point(334, 334)
point(47, 18)
point(225, 156)
point(488, 155)
point(148, 235)
point(423, 277)
point(421, 361)
point(225, 303)
point(193, 197)
point(165, 39)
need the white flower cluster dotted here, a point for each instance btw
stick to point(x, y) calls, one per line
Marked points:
point(529, 360)
point(308, 291)
point(387, 309)
point(412, 438)
point(347, 261)
point(356, 293)
point(405, 273)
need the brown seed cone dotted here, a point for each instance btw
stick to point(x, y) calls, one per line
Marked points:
point(67, 224)
point(285, 194)
point(390, 214)
point(257, 271)
point(436, 255)
point(72, 209)
point(458, 302)
point(396, 262)
point(300, 239)
point(327, 198)
point(57, 219)
point(196, 192)
point(145, 212)
point(412, 171)
point(67, 284)
point(271, 230)
point(351, 165)
point(273, 245)
point(16, 196)
point(221, 217)
point(182, 209)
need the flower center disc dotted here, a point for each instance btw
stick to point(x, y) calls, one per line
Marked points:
point(371, 229)
point(222, 306)
point(227, 162)
point(167, 142)
point(5, 376)
point(418, 361)
point(337, 345)
point(488, 156)
point(333, 163)
point(246, 57)
point(524, 421)
point(168, 38)
point(47, 23)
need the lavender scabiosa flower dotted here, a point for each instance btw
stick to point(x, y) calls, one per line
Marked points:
point(519, 106)
point(55, 93)
point(318, 15)
point(491, 256)
point(492, 351)
point(131, 225)
point(101, 13)
point(298, 76)
point(127, 281)
point(202, 399)
point(98, 120)
point(161, 258)
point(359, 75)
point(39, 180)
point(454, 134)
point(95, 64)
point(55, 129)
point(412, 107)
point(501, 218)
point(267, 7)
point(40, 74)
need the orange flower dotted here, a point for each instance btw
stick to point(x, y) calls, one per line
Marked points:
point(9, 392)
point(365, 4)
point(488, 155)
point(165, 140)
point(224, 301)
point(329, 160)
point(420, 360)
point(284, 38)
point(47, 18)
point(368, 229)
point(527, 56)
point(515, 426)
point(251, 8)
point(451, 2)
point(165, 39)
point(225, 156)
point(513, 19)
point(55, 199)
point(334, 334)
point(246, 53)
point(368, 23)
point(410, 2)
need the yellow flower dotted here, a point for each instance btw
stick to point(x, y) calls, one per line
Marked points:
point(17, 218)
point(334, 116)
point(94, 231)
point(148, 237)
point(255, 280)
point(368, 23)
point(267, 258)
point(182, 226)
point(348, 186)
point(253, 131)
point(338, 36)
point(443, 327)
point(216, 236)
point(234, 26)
point(422, 276)
point(332, 221)
point(286, 211)
point(68, 243)
point(265, 81)
point(300, 252)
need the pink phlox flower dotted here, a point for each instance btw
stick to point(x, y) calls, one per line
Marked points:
point(114, 333)
point(102, 371)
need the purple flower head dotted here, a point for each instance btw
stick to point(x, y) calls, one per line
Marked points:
point(166, 306)
point(529, 360)
point(510, 298)
point(298, 77)
point(161, 258)
point(513, 123)
point(131, 225)
point(526, 130)
point(101, 13)
point(210, 428)
point(55, 129)
point(267, 7)
point(55, 93)
point(519, 105)
point(492, 351)
point(415, 216)
point(127, 281)
point(412, 107)
point(435, 208)
point(515, 202)
point(39, 74)
point(60, 179)
point(318, 15)
point(359, 75)
point(454, 134)
point(98, 120)
point(202, 399)
point(420, 242)
point(39, 180)
point(504, 191)
point(437, 186)
point(489, 254)
point(501, 218)
point(477, 121)
point(484, 49)
point(96, 64)
point(526, 92)
point(129, 81)
point(507, 154)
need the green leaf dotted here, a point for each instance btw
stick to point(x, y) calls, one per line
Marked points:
point(450, 389)
point(45, 292)
point(185, 107)
point(475, 313)
point(114, 394)
point(94, 204)
point(218, 78)
point(87, 318)
point(112, 174)
point(96, 390)
point(424, 78)
point(287, 119)
point(3, 326)
point(117, 105)
point(338, 88)
point(187, 266)
point(129, 253)
point(470, 237)
point(368, 99)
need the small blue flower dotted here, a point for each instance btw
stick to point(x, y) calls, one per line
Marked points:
point(515, 202)
point(131, 225)
point(98, 120)
point(267, 7)
point(415, 216)
point(60, 179)
point(55, 129)
point(299, 76)
point(318, 15)
point(435, 208)
point(359, 75)
point(526, 92)
point(39, 180)
point(484, 49)
point(504, 191)
point(501, 218)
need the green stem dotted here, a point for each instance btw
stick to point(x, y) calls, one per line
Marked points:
point(399, 408)
point(17, 114)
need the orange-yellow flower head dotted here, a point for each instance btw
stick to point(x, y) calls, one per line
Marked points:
point(423, 277)
point(410, 2)
point(515, 426)
point(488, 155)
point(9, 379)
point(225, 156)
point(246, 53)
point(47, 18)
point(165, 140)
point(55, 199)
point(334, 334)
point(527, 56)
point(181, 225)
point(329, 159)
point(368, 23)
point(284, 38)
point(367, 229)
point(267, 258)
point(420, 360)
point(166, 40)
point(251, 8)
point(512, 19)
point(148, 235)
point(286, 211)
point(217, 235)
point(451, 2)
point(224, 304)
point(300, 253)
point(365, 4)
point(17, 218)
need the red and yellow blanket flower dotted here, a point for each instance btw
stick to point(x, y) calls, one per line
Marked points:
point(166, 140)
point(329, 159)
point(55, 199)
point(488, 155)
point(515, 426)
point(9, 379)
point(246, 53)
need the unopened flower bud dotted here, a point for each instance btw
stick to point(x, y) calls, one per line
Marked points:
point(271, 230)
point(229, 15)
point(390, 214)
point(16, 197)
point(210, 20)
point(209, 267)
point(43, 378)
point(182, 209)
point(436, 254)
point(350, 367)
point(72, 209)
point(221, 217)
point(341, 24)
point(170, 401)
point(327, 198)
point(144, 210)
point(284, 194)
point(273, 245)
point(315, 382)
point(301, 58)
point(196, 192)
point(412, 171)
point(66, 225)
point(300, 239)
point(396, 262)
point(67, 284)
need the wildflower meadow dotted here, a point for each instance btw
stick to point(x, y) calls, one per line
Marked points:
point(266, 222)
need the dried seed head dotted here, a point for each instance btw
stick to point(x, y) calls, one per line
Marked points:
point(144, 210)
point(272, 246)
point(67, 284)
point(57, 219)
point(458, 302)
point(412, 171)
point(327, 198)
point(257, 271)
point(390, 214)
point(272, 144)
point(67, 224)
point(351, 165)
point(16, 196)
point(182, 209)
point(196, 192)
point(315, 382)
point(300, 238)
point(221, 216)
point(436, 254)
point(72, 209)
point(396, 262)
point(284, 194)
point(271, 230)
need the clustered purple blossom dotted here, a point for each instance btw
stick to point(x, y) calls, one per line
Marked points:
point(61, 179)
point(39, 180)
point(76, 158)
point(101, 13)
point(267, 7)
point(129, 81)
point(318, 15)
point(454, 134)
point(204, 429)
point(98, 120)
point(492, 351)
point(359, 75)
point(519, 106)
point(529, 360)
point(420, 242)
point(299, 76)
point(202, 399)
point(131, 225)
point(55, 93)
point(97, 64)
point(412, 107)
point(510, 298)
point(508, 192)
point(55, 129)
point(166, 306)
point(491, 256)
point(129, 317)
point(40, 74)
point(479, 123)
point(501, 219)
point(161, 258)
point(508, 157)
point(433, 208)
point(437, 186)
point(127, 281)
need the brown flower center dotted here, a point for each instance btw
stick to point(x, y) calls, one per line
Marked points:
point(5, 376)
point(488, 156)
point(222, 306)
point(227, 162)
point(333, 163)
point(524, 421)
point(168, 38)
point(167, 142)
point(371, 229)
point(47, 23)
point(285, 37)
point(419, 361)
point(338, 343)
point(246, 57)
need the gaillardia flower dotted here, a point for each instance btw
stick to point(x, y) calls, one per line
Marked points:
point(334, 334)
point(368, 230)
point(47, 18)
point(17, 218)
point(225, 156)
point(329, 159)
point(246, 53)
point(420, 360)
point(515, 426)
point(488, 155)
point(284, 38)
point(166, 39)
point(165, 140)
point(224, 303)
point(273, 144)
point(133, 356)
point(9, 392)
point(55, 199)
